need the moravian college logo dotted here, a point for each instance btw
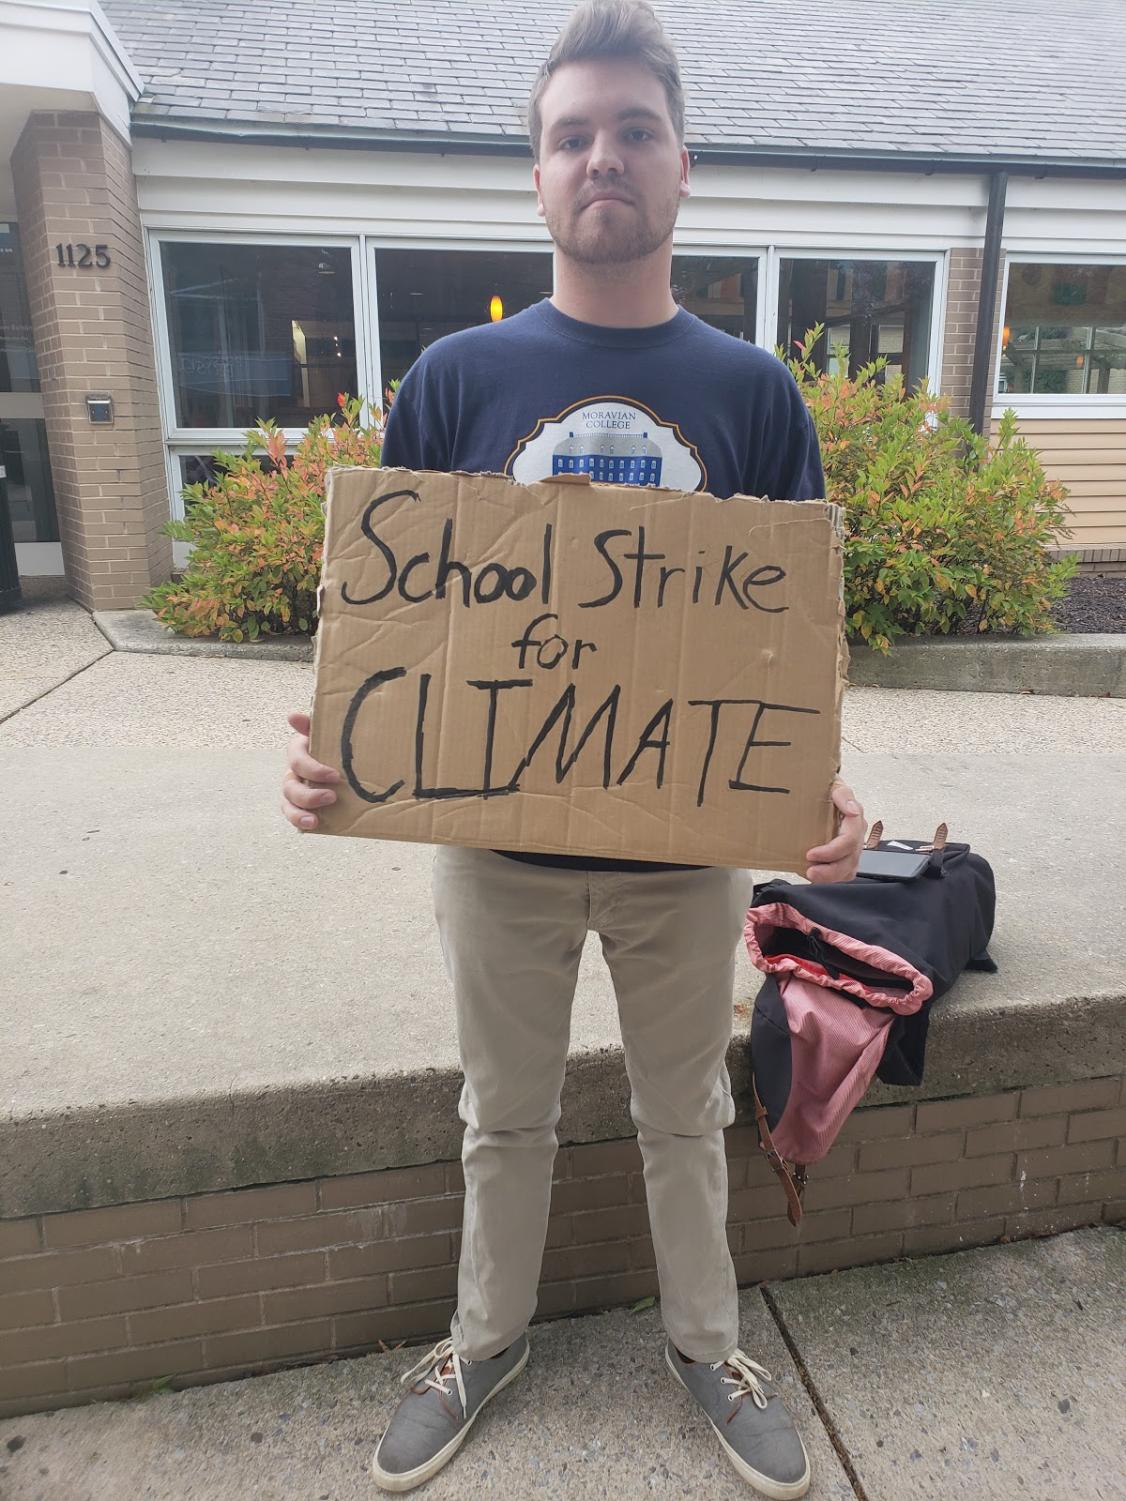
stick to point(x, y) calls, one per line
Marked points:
point(615, 442)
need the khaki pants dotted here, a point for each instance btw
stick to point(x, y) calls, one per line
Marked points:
point(512, 934)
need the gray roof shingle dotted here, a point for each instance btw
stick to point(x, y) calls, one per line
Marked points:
point(1002, 79)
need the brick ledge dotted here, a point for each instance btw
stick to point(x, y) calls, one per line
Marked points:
point(102, 1303)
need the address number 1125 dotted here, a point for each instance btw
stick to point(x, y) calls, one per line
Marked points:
point(83, 257)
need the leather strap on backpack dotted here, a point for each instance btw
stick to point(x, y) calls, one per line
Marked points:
point(791, 1186)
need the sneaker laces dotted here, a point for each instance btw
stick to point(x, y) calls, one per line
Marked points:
point(745, 1381)
point(444, 1364)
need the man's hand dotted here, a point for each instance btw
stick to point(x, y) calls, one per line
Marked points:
point(306, 784)
point(837, 860)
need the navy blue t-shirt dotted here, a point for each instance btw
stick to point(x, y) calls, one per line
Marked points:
point(678, 404)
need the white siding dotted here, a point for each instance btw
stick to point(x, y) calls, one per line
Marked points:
point(192, 185)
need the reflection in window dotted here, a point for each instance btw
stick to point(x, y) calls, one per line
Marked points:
point(1064, 330)
point(425, 294)
point(18, 371)
point(869, 308)
point(722, 290)
point(206, 469)
point(258, 331)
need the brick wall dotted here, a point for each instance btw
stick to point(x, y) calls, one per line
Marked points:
point(961, 323)
point(74, 185)
point(99, 1303)
point(960, 329)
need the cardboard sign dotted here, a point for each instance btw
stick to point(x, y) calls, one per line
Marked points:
point(579, 668)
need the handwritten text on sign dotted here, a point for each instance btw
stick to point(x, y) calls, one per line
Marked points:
point(590, 669)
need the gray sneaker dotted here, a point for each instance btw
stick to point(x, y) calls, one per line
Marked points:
point(758, 1435)
point(430, 1424)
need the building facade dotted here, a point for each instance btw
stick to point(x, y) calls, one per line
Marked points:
point(190, 241)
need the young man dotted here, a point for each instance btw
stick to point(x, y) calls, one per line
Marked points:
point(610, 366)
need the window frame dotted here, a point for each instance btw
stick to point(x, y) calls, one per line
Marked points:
point(940, 259)
point(179, 441)
point(363, 246)
point(1049, 404)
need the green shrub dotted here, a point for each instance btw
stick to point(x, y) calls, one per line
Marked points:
point(258, 533)
point(944, 529)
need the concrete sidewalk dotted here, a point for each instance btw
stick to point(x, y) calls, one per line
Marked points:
point(997, 1374)
point(43, 643)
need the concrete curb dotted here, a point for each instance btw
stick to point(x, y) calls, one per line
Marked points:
point(1071, 666)
point(140, 631)
point(124, 1153)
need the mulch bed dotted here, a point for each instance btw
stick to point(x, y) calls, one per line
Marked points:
point(1095, 602)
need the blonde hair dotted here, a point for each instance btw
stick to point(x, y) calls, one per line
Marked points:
point(612, 28)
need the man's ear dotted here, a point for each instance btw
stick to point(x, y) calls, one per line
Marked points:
point(536, 185)
point(685, 169)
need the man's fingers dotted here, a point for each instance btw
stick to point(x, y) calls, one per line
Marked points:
point(298, 817)
point(837, 849)
point(307, 783)
point(833, 862)
point(838, 860)
point(818, 875)
point(852, 814)
point(301, 764)
point(302, 795)
point(844, 797)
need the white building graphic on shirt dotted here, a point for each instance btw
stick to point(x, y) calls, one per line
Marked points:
point(613, 441)
point(609, 459)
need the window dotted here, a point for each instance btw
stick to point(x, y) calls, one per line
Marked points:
point(425, 294)
point(1064, 330)
point(258, 331)
point(723, 291)
point(868, 308)
point(18, 371)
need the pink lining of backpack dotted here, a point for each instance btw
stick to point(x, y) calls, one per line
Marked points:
point(763, 921)
point(836, 1047)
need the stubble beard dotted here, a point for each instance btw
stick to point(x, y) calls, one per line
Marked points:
point(605, 243)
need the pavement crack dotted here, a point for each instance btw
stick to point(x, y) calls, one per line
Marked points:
point(814, 1395)
point(11, 713)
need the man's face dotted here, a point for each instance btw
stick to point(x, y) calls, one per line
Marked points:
point(611, 172)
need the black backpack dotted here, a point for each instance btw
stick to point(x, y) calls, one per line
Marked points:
point(853, 968)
